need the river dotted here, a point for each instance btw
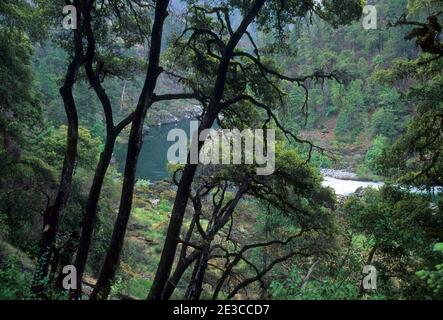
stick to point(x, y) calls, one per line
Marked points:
point(153, 156)
point(153, 159)
point(347, 187)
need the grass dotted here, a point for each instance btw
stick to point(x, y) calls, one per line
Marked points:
point(138, 287)
point(164, 206)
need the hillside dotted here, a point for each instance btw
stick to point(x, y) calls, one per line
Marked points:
point(105, 194)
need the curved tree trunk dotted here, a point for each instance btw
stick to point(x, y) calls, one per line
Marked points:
point(109, 268)
point(195, 286)
point(202, 262)
point(173, 281)
point(90, 214)
point(184, 188)
point(110, 264)
point(90, 211)
point(53, 213)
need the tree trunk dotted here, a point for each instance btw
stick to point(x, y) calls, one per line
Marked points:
point(184, 261)
point(112, 132)
point(195, 286)
point(109, 268)
point(184, 188)
point(53, 213)
point(90, 214)
point(110, 264)
point(175, 223)
point(182, 266)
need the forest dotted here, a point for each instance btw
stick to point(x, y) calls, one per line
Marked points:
point(91, 208)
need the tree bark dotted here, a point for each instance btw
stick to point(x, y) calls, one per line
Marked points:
point(220, 220)
point(308, 275)
point(112, 133)
point(90, 211)
point(90, 214)
point(195, 286)
point(109, 268)
point(182, 266)
point(53, 213)
point(184, 188)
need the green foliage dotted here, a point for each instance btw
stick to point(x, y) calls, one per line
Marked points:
point(164, 206)
point(415, 156)
point(375, 152)
point(275, 15)
point(416, 6)
point(53, 144)
point(400, 225)
point(434, 278)
point(14, 281)
point(386, 122)
point(4, 230)
point(142, 185)
point(24, 17)
point(327, 289)
point(18, 111)
point(351, 118)
point(360, 108)
point(135, 287)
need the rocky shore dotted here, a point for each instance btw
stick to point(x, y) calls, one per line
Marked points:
point(164, 117)
point(339, 174)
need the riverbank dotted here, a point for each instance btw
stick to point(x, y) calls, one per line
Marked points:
point(349, 175)
point(159, 117)
point(348, 187)
point(346, 183)
point(338, 174)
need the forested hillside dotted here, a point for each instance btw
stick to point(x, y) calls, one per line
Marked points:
point(78, 107)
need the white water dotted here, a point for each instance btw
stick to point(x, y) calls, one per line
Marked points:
point(346, 187)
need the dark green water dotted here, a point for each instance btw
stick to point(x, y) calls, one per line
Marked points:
point(153, 156)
